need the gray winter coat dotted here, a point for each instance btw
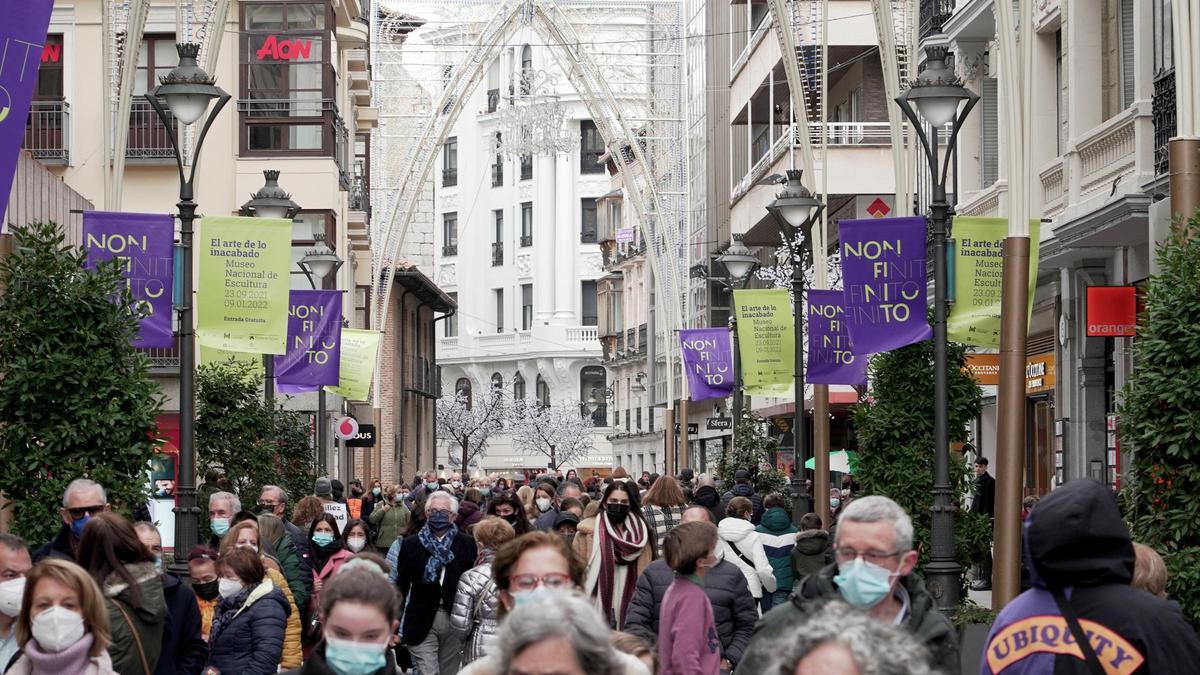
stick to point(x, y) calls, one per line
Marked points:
point(476, 611)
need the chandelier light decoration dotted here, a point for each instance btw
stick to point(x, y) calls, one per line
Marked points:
point(532, 119)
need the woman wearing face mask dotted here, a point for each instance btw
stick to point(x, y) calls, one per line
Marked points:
point(244, 535)
point(63, 624)
point(360, 615)
point(389, 517)
point(688, 643)
point(616, 544)
point(355, 535)
point(202, 572)
point(544, 511)
point(328, 554)
point(249, 625)
point(476, 609)
point(508, 507)
point(133, 592)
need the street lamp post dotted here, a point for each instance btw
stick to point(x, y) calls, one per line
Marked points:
point(739, 264)
point(317, 264)
point(187, 91)
point(271, 201)
point(795, 210)
point(938, 94)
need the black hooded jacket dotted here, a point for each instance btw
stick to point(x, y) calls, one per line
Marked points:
point(1076, 542)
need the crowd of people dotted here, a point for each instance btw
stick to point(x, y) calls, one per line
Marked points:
point(613, 575)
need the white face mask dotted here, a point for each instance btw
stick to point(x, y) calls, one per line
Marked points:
point(356, 544)
point(11, 592)
point(229, 587)
point(250, 547)
point(57, 628)
point(543, 504)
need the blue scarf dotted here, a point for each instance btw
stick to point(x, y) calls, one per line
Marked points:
point(227, 608)
point(440, 554)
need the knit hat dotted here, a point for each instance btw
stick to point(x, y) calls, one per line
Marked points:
point(741, 476)
point(322, 487)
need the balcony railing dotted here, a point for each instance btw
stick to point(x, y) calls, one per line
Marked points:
point(163, 360)
point(589, 161)
point(1163, 108)
point(449, 177)
point(47, 129)
point(449, 249)
point(493, 101)
point(341, 150)
point(497, 253)
point(526, 240)
point(497, 175)
point(933, 15)
point(148, 137)
point(584, 335)
point(360, 188)
point(426, 378)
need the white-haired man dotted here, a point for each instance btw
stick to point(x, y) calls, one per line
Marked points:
point(82, 499)
point(222, 507)
point(430, 564)
point(873, 572)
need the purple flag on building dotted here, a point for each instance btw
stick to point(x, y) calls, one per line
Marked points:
point(314, 341)
point(22, 34)
point(708, 362)
point(831, 357)
point(145, 245)
point(883, 274)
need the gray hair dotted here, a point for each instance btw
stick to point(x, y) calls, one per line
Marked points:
point(235, 504)
point(12, 542)
point(565, 615)
point(878, 648)
point(283, 495)
point(442, 494)
point(82, 485)
point(877, 508)
point(705, 479)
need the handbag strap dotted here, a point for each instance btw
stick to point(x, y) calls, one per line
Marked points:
point(477, 609)
point(741, 555)
point(137, 639)
point(1068, 612)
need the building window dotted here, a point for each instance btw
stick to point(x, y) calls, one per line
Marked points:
point(526, 167)
point(542, 391)
point(591, 147)
point(148, 137)
point(499, 293)
point(497, 382)
point(526, 69)
point(463, 388)
point(498, 167)
point(498, 241)
point(989, 155)
point(304, 229)
point(450, 233)
point(1060, 103)
point(527, 224)
point(587, 220)
point(593, 384)
point(47, 125)
point(451, 321)
point(526, 306)
point(587, 304)
point(518, 387)
point(1127, 46)
point(639, 420)
point(362, 306)
point(450, 162)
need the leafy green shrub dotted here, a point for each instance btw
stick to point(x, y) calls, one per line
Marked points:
point(1159, 418)
point(752, 450)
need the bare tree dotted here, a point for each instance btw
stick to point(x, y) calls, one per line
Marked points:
point(467, 425)
point(562, 432)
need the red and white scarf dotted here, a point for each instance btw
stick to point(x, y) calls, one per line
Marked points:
point(619, 549)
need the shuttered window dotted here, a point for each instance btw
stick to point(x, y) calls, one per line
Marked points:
point(989, 155)
point(1128, 71)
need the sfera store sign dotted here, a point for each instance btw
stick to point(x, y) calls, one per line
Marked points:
point(276, 49)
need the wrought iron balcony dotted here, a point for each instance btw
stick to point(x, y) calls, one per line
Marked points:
point(148, 139)
point(493, 101)
point(360, 188)
point(526, 240)
point(449, 177)
point(1163, 112)
point(165, 360)
point(933, 15)
point(449, 249)
point(426, 378)
point(47, 129)
point(497, 253)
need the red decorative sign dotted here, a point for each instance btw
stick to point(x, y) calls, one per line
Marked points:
point(1111, 311)
point(878, 208)
point(283, 50)
point(51, 52)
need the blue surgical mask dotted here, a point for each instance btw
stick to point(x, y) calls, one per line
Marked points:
point(376, 491)
point(158, 563)
point(78, 525)
point(485, 491)
point(439, 521)
point(346, 657)
point(537, 595)
point(834, 503)
point(322, 538)
point(863, 584)
point(432, 486)
point(219, 526)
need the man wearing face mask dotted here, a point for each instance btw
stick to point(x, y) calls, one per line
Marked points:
point(429, 565)
point(82, 499)
point(14, 564)
point(221, 508)
point(874, 573)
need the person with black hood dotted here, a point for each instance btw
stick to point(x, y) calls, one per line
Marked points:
point(875, 573)
point(184, 651)
point(812, 551)
point(706, 495)
point(743, 488)
point(1081, 562)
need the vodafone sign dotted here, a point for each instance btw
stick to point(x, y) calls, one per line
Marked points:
point(346, 428)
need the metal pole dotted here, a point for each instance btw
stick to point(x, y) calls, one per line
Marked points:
point(802, 501)
point(821, 456)
point(269, 382)
point(682, 458)
point(1184, 158)
point(322, 432)
point(187, 530)
point(738, 403)
point(943, 572)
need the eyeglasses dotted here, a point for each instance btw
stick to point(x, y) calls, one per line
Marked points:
point(79, 512)
point(267, 505)
point(527, 582)
point(847, 554)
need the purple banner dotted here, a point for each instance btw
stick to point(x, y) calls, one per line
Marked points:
point(831, 357)
point(145, 245)
point(314, 341)
point(883, 272)
point(708, 362)
point(22, 32)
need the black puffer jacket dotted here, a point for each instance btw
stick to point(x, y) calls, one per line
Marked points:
point(812, 553)
point(744, 490)
point(733, 607)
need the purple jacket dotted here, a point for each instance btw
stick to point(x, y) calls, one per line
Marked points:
point(687, 635)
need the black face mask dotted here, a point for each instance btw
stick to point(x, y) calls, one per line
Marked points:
point(511, 518)
point(617, 513)
point(206, 590)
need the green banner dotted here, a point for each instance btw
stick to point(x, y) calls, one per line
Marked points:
point(766, 341)
point(979, 278)
point(359, 348)
point(242, 297)
point(214, 355)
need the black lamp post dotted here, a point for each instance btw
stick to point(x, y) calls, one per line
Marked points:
point(795, 210)
point(739, 264)
point(187, 91)
point(938, 94)
point(318, 264)
point(271, 201)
